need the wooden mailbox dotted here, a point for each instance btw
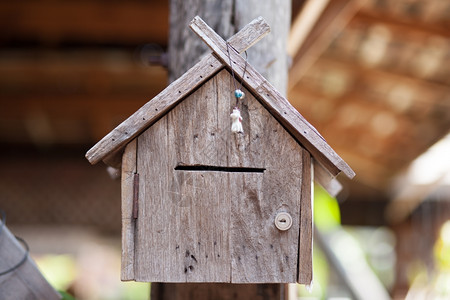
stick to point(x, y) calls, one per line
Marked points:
point(203, 204)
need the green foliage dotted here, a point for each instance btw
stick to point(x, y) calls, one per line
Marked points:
point(59, 270)
point(327, 215)
point(321, 272)
point(66, 296)
point(442, 248)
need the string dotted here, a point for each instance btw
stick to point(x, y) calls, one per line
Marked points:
point(27, 249)
point(232, 71)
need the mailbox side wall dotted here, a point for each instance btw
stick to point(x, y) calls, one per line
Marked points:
point(214, 226)
point(128, 222)
point(305, 267)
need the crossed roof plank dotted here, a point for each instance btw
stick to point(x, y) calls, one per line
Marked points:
point(110, 148)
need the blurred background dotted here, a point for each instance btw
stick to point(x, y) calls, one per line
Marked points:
point(372, 76)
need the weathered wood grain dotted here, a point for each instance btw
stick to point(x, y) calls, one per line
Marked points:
point(210, 226)
point(278, 106)
point(182, 232)
point(128, 222)
point(269, 56)
point(227, 291)
point(169, 97)
point(184, 48)
point(26, 282)
point(260, 252)
point(305, 267)
point(154, 109)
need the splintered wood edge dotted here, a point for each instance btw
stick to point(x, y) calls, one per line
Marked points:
point(170, 96)
point(274, 102)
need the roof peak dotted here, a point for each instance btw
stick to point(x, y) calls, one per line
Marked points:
point(112, 144)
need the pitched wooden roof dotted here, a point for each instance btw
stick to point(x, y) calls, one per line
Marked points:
point(109, 148)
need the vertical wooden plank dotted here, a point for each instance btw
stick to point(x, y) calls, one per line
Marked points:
point(152, 233)
point(202, 229)
point(183, 222)
point(243, 149)
point(305, 274)
point(128, 222)
point(261, 252)
point(201, 197)
point(194, 127)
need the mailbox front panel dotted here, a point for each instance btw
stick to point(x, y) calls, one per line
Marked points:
point(209, 198)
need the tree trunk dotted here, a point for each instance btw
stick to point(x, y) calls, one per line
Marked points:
point(269, 57)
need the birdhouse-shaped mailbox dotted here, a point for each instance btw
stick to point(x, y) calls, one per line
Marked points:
point(211, 198)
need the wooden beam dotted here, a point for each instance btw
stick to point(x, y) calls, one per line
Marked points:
point(369, 74)
point(75, 119)
point(401, 24)
point(279, 107)
point(424, 176)
point(364, 210)
point(303, 23)
point(408, 199)
point(333, 19)
point(50, 22)
point(85, 72)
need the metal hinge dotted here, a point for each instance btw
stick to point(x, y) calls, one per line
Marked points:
point(135, 195)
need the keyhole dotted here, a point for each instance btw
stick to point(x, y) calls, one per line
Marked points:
point(283, 221)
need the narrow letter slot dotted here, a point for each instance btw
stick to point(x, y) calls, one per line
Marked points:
point(206, 168)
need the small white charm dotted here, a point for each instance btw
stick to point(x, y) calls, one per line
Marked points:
point(236, 125)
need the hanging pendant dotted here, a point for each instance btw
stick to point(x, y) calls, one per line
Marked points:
point(239, 94)
point(236, 119)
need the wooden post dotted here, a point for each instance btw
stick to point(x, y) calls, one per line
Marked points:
point(269, 57)
point(185, 48)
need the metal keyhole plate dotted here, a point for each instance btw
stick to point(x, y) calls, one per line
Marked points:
point(283, 221)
